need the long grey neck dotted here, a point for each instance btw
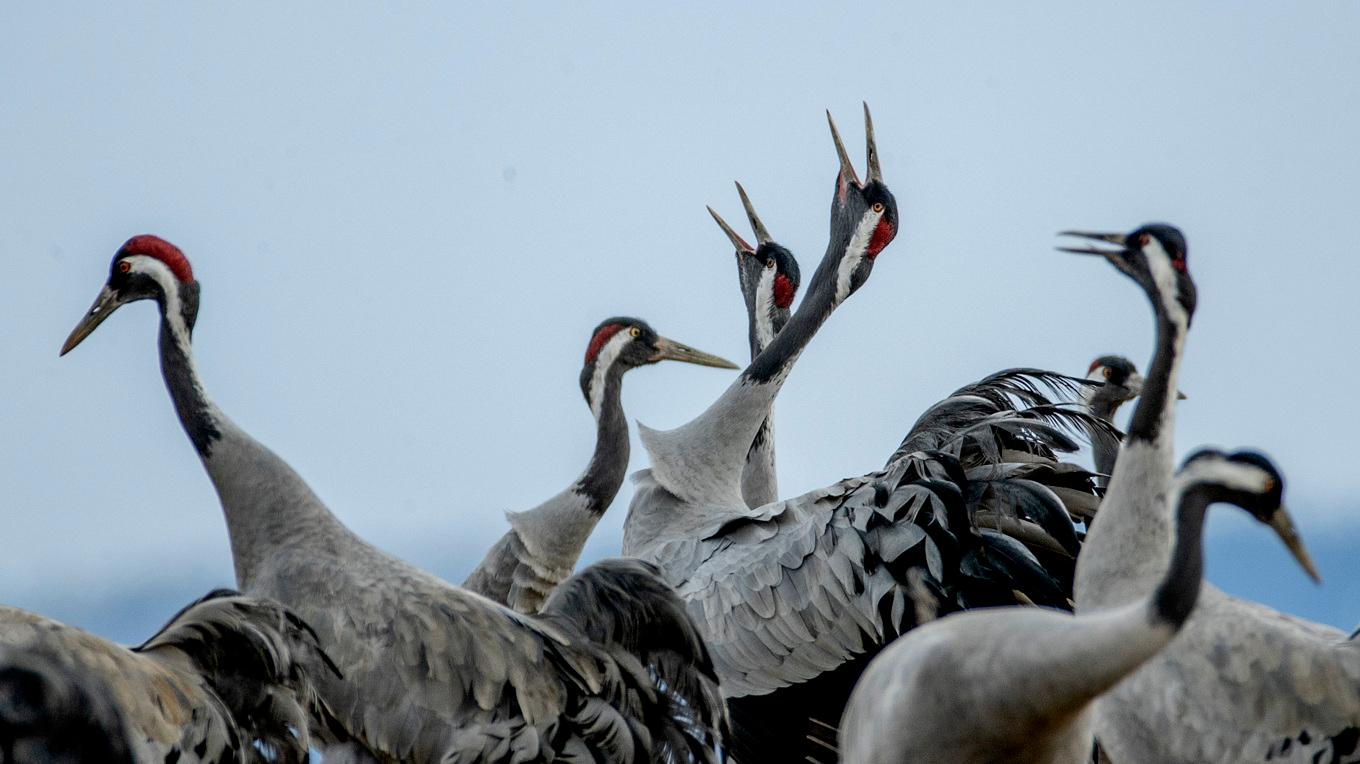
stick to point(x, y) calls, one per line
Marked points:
point(1104, 446)
point(268, 507)
point(759, 479)
point(1176, 595)
point(609, 464)
point(701, 462)
point(1129, 544)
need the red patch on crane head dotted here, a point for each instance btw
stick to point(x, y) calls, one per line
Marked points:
point(1094, 365)
point(884, 233)
point(160, 249)
point(783, 291)
point(597, 342)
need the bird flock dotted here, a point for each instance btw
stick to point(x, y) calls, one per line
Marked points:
point(978, 597)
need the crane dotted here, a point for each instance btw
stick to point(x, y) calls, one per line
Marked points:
point(225, 679)
point(1016, 684)
point(795, 596)
point(543, 544)
point(431, 671)
point(769, 279)
point(1242, 682)
point(1118, 382)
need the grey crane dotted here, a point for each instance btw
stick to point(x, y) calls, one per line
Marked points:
point(224, 680)
point(795, 596)
point(1242, 682)
point(769, 279)
point(1118, 382)
point(543, 544)
point(431, 672)
point(1017, 684)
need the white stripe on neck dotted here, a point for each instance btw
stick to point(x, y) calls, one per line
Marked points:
point(854, 253)
point(174, 309)
point(603, 360)
point(1165, 279)
point(764, 308)
point(1236, 476)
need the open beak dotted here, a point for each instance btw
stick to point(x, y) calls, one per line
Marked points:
point(670, 350)
point(738, 242)
point(1111, 238)
point(104, 306)
point(1284, 527)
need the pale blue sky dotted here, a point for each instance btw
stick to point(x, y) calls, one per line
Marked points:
point(407, 219)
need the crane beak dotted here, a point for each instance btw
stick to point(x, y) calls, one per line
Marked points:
point(738, 242)
point(104, 305)
point(871, 148)
point(762, 235)
point(1180, 396)
point(1108, 254)
point(1284, 528)
point(670, 350)
point(847, 173)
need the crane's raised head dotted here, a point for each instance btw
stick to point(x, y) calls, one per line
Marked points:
point(1250, 480)
point(1154, 255)
point(622, 343)
point(863, 213)
point(768, 272)
point(146, 267)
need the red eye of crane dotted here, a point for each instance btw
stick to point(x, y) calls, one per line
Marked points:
point(124, 266)
point(1144, 239)
point(878, 207)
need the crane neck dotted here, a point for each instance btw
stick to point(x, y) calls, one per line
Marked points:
point(1154, 412)
point(608, 465)
point(1104, 445)
point(702, 461)
point(268, 507)
point(1178, 591)
point(1129, 543)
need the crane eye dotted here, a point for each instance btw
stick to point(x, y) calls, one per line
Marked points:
point(878, 207)
point(769, 262)
point(1270, 484)
point(1107, 372)
point(634, 331)
point(124, 266)
point(1144, 239)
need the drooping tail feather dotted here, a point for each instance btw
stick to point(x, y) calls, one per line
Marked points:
point(626, 607)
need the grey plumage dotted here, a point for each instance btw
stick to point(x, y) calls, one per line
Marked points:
point(1016, 684)
point(224, 680)
point(1116, 382)
point(431, 672)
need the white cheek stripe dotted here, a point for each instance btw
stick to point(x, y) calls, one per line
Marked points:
point(765, 308)
point(1164, 277)
point(859, 244)
point(1234, 475)
point(174, 312)
point(608, 354)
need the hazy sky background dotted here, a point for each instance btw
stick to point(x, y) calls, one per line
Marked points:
point(407, 219)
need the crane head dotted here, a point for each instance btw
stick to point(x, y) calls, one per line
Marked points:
point(768, 271)
point(1251, 481)
point(621, 343)
point(1119, 382)
point(1154, 255)
point(863, 214)
point(146, 267)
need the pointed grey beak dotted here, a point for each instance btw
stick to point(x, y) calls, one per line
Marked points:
point(1180, 396)
point(847, 167)
point(1284, 528)
point(735, 237)
point(670, 350)
point(104, 306)
point(871, 148)
point(1108, 254)
point(762, 235)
